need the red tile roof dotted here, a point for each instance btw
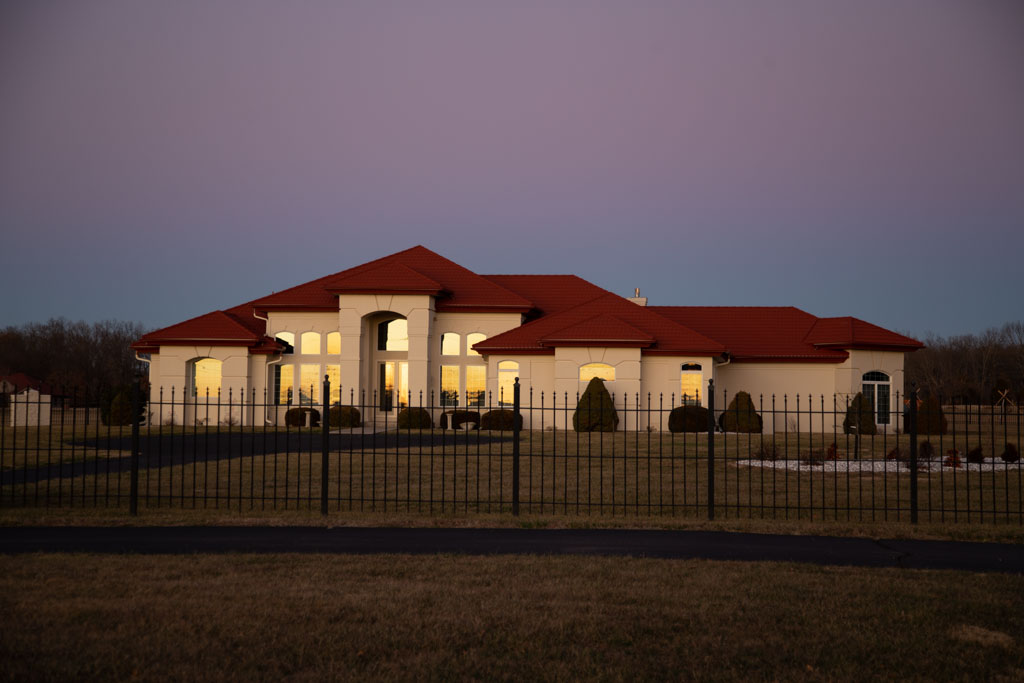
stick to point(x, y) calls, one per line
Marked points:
point(20, 381)
point(550, 293)
point(853, 333)
point(387, 278)
point(219, 328)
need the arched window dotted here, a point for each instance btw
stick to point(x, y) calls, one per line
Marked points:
point(508, 370)
point(311, 343)
point(393, 335)
point(334, 343)
point(204, 377)
point(689, 388)
point(450, 342)
point(877, 388)
point(288, 339)
point(592, 370)
point(473, 338)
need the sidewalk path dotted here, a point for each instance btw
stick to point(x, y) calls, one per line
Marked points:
point(711, 545)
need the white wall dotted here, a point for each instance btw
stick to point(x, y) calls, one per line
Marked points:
point(29, 408)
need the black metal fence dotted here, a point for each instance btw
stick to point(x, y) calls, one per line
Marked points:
point(799, 457)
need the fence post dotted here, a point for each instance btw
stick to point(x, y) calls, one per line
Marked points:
point(324, 439)
point(515, 447)
point(133, 496)
point(913, 453)
point(711, 449)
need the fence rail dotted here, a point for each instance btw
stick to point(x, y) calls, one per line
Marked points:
point(810, 457)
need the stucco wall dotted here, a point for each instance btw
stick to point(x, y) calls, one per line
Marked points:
point(29, 408)
point(169, 399)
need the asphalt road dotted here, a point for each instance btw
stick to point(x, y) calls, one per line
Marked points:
point(711, 545)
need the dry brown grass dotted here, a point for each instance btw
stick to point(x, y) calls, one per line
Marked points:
point(73, 617)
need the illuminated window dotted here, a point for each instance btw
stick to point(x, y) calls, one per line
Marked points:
point(592, 370)
point(309, 384)
point(334, 377)
point(471, 339)
point(393, 335)
point(204, 378)
point(450, 344)
point(284, 380)
point(288, 339)
point(334, 343)
point(876, 388)
point(476, 385)
point(508, 370)
point(689, 391)
point(311, 343)
point(449, 385)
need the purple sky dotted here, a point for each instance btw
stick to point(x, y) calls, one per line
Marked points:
point(159, 160)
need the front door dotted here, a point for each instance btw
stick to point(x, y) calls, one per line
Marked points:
point(394, 384)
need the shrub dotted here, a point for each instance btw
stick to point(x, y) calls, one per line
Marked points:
point(896, 454)
point(458, 418)
point(119, 410)
point(815, 458)
point(741, 416)
point(926, 451)
point(345, 417)
point(414, 418)
point(766, 451)
point(832, 453)
point(952, 458)
point(1010, 453)
point(501, 420)
point(860, 417)
point(296, 417)
point(930, 418)
point(688, 419)
point(595, 411)
point(976, 456)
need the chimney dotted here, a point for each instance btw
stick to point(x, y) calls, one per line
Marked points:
point(637, 299)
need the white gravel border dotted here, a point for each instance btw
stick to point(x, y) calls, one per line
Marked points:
point(882, 466)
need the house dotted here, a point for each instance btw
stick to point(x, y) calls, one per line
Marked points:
point(26, 401)
point(414, 328)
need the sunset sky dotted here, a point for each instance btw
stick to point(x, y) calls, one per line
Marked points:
point(159, 160)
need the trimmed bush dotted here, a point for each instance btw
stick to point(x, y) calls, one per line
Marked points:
point(860, 417)
point(345, 417)
point(930, 418)
point(458, 418)
point(595, 411)
point(926, 451)
point(501, 420)
point(296, 417)
point(414, 418)
point(119, 410)
point(1010, 453)
point(688, 419)
point(976, 456)
point(766, 451)
point(741, 416)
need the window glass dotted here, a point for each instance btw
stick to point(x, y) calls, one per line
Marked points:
point(287, 338)
point(334, 377)
point(476, 385)
point(284, 379)
point(450, 344)
point(592, 370)
point(876, 390)
point(507, 372)
point(690, 385)
point(310, 343)
point(309, 384)
point(206, 378)
point(449, 385)
point(393, 335)
point(334, 343)
point(471, 339)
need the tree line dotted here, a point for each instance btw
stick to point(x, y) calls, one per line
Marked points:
point(71, 355)
point(974, 368)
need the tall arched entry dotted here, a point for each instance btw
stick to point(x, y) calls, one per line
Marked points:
point(390, 353)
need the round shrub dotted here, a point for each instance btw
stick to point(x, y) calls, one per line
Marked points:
point(1010, 453)
point(976, 456)
point(595, 411)
point(930, 418)
point(688, 419)
point(501, 420)
point(414, 418)
point(860, 417)
point(458, 418)
point(741, 416)
point(296, 417)
point(345, 417)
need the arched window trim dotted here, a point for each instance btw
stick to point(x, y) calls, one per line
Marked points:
point(591, 371)
point(872, 384)
point(194, 380)
point(474, 338)
point(452, 338)
point(288, 338)
point(319, 343)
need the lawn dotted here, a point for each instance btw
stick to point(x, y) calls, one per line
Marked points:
point(240, 617)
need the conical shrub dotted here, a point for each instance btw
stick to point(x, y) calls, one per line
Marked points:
point(595, 411)
point(930, 418)
point(860, 417)
point(741, 416)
